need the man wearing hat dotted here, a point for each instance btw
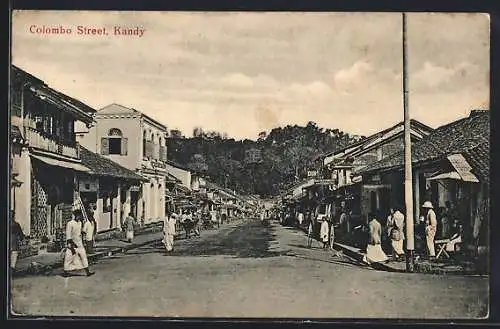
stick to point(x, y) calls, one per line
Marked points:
point(430, 226)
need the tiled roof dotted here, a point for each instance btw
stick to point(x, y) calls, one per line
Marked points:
point(479, 159)
point(117, 108)
point(418, 130)
point(457, 137)
point(102, 166)
point(172, 178)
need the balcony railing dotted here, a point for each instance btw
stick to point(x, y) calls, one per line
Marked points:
point(36, 139)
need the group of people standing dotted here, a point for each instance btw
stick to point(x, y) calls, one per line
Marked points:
point(395, 232)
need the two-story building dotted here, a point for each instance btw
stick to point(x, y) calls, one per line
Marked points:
point(136, 142)
point(451, 164)
point(338, 183)
point(45, 155)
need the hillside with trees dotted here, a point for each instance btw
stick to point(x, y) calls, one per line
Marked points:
point(265, 166)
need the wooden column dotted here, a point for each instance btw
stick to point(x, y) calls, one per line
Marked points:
point(118, 206)
point(127, 207)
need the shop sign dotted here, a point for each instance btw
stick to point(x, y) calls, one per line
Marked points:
point(375, 179)
point(134, 189)
point(156, 165)
point(88, 185)
point(357, 179)
point(312, 173)
point(462, 167)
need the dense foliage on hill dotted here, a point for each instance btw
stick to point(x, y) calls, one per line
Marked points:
point(265, 166)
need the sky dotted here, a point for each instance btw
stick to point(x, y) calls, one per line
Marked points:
point(243, 73)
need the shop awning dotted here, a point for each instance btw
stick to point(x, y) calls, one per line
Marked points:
point(453, 175)
point(61, 163)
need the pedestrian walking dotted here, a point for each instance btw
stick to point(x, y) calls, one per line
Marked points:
point(89, 234)
point(129, 227)
point(16, 236)
point(397, 232)
point(169, 230)
point(430, 227)
point(374, 252)
point(324, 233)
point(300, 218)
point(75, 257)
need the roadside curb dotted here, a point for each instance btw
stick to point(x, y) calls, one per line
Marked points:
point(92, 257)
point(47, 268)
point(357, 255)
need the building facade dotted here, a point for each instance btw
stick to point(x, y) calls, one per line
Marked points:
point(138, 143)
point(450, 165)
point(45, 156)
point(107, 190)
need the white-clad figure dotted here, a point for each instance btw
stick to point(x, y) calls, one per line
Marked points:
point(169, 231)
point(75, 257)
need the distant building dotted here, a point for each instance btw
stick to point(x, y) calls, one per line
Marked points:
point(136, 142)
point(253, 155)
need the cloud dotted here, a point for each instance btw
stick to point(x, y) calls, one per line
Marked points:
point(346, 78)
point(433, 75)
point(434, 78)
point(244, 72)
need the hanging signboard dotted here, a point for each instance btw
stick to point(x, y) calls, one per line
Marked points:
point(462, 167)
point(134, 189)
point(312, 173)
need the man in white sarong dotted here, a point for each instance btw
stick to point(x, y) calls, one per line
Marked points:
point(300, 218)
point(75, 257)
point(374, 252)
point(169, 231)
point(324, 233)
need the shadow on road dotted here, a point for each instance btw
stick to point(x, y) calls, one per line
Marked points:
point(249, 240)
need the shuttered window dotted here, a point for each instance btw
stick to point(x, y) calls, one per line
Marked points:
point(163, 153)
point(124, 146)
point(104, 146)
point(114, 145)
point(149, 149)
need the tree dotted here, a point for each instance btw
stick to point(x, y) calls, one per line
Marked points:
point(198, 132)
point(176, 133)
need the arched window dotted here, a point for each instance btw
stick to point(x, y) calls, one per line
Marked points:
point(115, 132)
point(115, 143)
point(144, 143)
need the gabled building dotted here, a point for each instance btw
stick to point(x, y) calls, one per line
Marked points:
point(45, 156)
point(451, 164)
point(137, 142)
point(340, 187)
point(108, 186)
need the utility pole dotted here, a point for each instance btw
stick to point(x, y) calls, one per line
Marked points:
point(410, 243)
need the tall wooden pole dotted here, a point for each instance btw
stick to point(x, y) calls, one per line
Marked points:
point(410, 243)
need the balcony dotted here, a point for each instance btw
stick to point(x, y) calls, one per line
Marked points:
point(37, 140)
